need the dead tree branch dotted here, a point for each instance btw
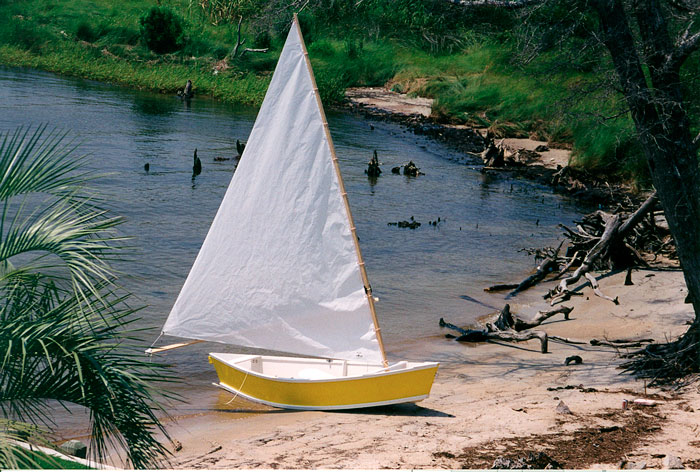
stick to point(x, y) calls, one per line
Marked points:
point(613, 235)
point(510, 328)
point(596, 289)
point(549, 265)
point(240, 42)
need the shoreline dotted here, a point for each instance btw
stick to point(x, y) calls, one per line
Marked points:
point(489, 400)
point(492, 400)
point(541, 166)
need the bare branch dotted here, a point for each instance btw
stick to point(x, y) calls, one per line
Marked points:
point(682, 6)
point(687, 44)
point(253, 50)
point(632, 221)
point(596, 289)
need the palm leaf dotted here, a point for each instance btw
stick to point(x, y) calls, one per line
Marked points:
point(66, 332)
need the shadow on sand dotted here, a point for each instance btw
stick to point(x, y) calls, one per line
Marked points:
point(405, 409)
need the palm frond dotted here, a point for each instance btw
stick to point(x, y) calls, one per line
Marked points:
point(16, 441)
point(92, 361)
point(39, 162)
point(61, 237)
point(66, 332)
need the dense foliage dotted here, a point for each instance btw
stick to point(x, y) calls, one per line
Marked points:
point(537, 72)
point(162, 30)
point(65, 329)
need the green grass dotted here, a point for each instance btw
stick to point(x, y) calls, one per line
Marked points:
point(97, 40)
point(34, 459)
point(476, 83)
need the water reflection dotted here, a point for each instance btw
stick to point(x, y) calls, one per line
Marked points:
point(150, 106)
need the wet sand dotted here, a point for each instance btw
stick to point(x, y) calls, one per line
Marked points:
point(489, 400)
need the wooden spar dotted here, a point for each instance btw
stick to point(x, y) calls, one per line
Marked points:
point(343, 193)
point(169, 347)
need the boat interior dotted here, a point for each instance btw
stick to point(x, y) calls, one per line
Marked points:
point(308, 368)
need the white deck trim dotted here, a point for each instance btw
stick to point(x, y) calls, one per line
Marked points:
point(379, 371)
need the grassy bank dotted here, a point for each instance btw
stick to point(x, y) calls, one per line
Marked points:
point(472, 72)
point(100, 41)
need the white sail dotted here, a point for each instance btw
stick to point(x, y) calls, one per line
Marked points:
point(278, 269)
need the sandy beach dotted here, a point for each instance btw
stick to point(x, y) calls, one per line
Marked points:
point(490, 400)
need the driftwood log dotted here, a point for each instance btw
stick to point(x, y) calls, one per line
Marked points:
point(600, 241)
point(613, 235)
point(509, 327)
point(547, 266)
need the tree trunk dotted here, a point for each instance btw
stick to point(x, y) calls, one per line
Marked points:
point(663, 128)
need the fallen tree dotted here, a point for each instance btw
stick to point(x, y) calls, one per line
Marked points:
point(648, 43)
point(600, 241)
point(509, 327)
point(610, 245)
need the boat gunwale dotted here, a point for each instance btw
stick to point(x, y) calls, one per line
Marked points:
point(368, 375)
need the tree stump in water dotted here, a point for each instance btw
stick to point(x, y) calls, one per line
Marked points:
point(373, 169)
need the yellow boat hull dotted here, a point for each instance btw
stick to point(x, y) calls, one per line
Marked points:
point(320, 384)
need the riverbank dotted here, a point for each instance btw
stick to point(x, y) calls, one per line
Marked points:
point(483, 394)
point(476, 74)
point(488, 401)
point(534, 159)
point(415, 112)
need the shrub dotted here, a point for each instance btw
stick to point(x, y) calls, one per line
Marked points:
point(262, 39)
point(353, 48)
point(113, 34)
point(331, 86)
point(162, 30)
point(85, 32)
point(24, 35)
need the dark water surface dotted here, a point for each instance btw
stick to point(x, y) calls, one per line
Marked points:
point(419, 275)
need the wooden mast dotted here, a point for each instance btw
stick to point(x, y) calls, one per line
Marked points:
point(343, 193)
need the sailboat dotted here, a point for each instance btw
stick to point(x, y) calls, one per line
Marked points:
point(281, 269)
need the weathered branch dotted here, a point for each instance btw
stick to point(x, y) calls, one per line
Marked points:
point(239, 43)
point(567, 340)
point(621, 343)
point(509, 328)
point(615, 231)
point(637, 216)
point(541, 317)
point(575, 258)
point(686, 45)
point(601, 246)
point(506, 320)
point(254, 50)
point(482, 335)
point(547, 266)
point(500, 287)
point(596, 289)
point(513, 336)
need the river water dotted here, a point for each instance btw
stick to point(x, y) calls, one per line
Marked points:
point(419, 275)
